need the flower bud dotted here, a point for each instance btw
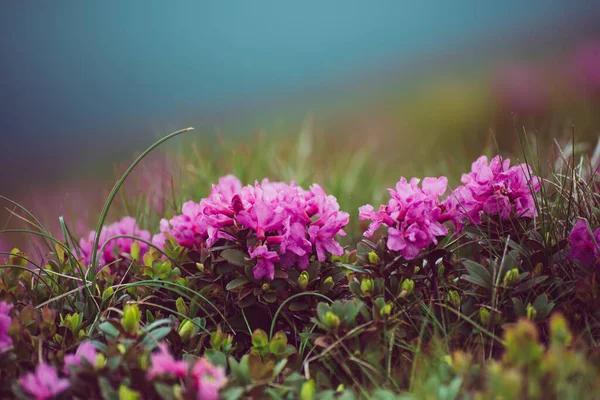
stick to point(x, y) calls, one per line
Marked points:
point(453, 298)
point(200, 267)
point(100, 361)
point(186, 330)
point(131, 319)
point(386, 310)
point(326, 285)
point(58, 339)
point(181, 306)
point(485, 317)
point(374, 258)
point(307, 391)
point(303, 280)
point(531, 312)
point(265, 287)
point(366, 286)
point(332, 320)
point(406, 288)
point(441, 270)
point(107, 293)
point(511, 277)
point(559, 331)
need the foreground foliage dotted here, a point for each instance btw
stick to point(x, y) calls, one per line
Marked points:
point(250, 292)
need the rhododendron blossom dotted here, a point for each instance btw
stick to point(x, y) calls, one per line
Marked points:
point(5, 340)
point(163, 363)
point(114, 249)
point(494, 189)
point(584, 247)
point(86, 351)
point(413, 215)
point(44, 383)
point(208, 379)
point(289, 223)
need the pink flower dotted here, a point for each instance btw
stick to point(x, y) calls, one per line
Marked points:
point(5, 340)
point(208, 379)
point(494, 189)
point(265, 212)
point(285, 219)
point(44, 383)
point(115, 248)
point(413, 215)
point(187, 228)
point(584, 247)
point(323, 236)
point(228, 187)
point(265, 266)
point(163, 363)
point(86, 351)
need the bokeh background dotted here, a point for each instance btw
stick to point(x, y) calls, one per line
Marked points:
point(85, 86)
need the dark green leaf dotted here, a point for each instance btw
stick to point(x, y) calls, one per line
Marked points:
point(234, 257)
point(354, 268)
point(298, 306)
point(108, 329)
point(237, 282)
point(478, 274)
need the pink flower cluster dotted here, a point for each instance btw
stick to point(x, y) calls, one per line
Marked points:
point(5, 340)
point(494, 189)
point(86, 351)
point(286, 220)
point(207, 378)
point(44, 383)
point(584, 247)
point(115, 248)
point(413, 215)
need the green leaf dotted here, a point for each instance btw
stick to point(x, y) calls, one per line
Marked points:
point(165, 391)
point(181, 306)
point(216, 357)
point(237, 282)
point(247, 301)
point(158, 323)
point(298, 306)
point(108, 393)
point(528, 285)
point(135, 251)
point(270, 297)
point(354, 268)
point(109, 329)
point(279, 367)
point(307, 392)
point(478, 274)
point(127, 394)
point(260, 338)
point(151, 339)
point(232, 394)
point(234, 257)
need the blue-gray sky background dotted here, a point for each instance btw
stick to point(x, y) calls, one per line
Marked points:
point(82, 79)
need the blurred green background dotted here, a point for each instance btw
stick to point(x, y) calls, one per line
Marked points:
point(351, 95)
